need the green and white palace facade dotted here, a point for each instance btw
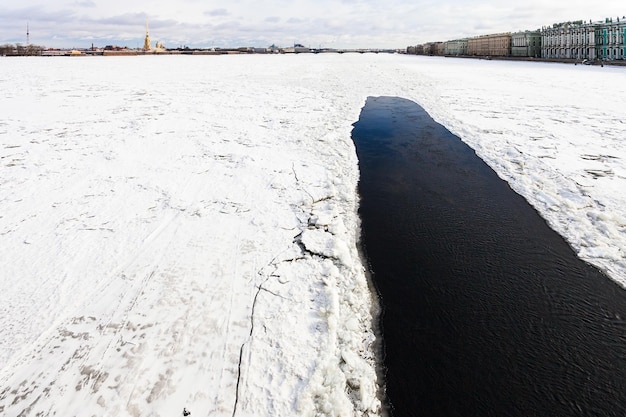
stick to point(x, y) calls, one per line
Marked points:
point(579, 40)
point(585, 40)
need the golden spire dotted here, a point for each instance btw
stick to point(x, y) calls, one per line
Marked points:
point(146, 41)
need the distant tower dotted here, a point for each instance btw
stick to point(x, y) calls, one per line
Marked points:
point(27, 35)
point(146, 42)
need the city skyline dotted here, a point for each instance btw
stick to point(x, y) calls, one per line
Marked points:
point(323, 23)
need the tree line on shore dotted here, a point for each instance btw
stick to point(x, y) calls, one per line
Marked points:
point(20, 50)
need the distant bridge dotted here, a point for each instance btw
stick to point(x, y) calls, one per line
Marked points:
point(359, 51)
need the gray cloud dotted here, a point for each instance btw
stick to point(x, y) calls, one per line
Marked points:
point(128, 19)
point(296, 21)
point(217, 12)
point(345, 23)
point(85, 3)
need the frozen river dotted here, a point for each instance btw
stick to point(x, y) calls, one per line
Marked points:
point(169, 220)
point(487, 311)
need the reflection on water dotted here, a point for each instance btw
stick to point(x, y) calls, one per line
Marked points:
point(487, 311)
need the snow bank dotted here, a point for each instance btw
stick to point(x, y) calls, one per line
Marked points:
point(182, 231)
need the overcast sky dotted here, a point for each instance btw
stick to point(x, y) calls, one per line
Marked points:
point(315, 23)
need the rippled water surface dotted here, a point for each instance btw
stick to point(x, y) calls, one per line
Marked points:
point(487, 311)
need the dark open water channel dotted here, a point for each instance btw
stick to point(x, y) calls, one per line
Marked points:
point(487, 311)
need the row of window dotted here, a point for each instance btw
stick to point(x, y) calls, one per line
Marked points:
point(617, 42)
point(568, 41)
point(609, 53)
point(579, 40)
point(608, 40)
point(525, 42)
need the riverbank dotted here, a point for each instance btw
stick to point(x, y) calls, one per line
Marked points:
point(615, 62)
point(252, 51)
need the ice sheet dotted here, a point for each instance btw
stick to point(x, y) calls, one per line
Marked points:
point(182, 231)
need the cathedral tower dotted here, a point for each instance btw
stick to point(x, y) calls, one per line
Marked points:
point(146, 42)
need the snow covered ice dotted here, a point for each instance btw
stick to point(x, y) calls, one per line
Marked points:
point(181, 231)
